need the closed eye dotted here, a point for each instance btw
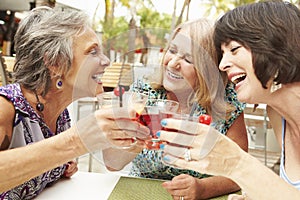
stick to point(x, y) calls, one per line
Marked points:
point(234, 49)
point(188, 59)
point(172, 51)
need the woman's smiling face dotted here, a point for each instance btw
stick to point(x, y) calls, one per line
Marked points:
point(179, 72)
point(237, 63)
point(88, 62)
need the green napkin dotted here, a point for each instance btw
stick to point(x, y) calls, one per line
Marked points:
point(132, 188)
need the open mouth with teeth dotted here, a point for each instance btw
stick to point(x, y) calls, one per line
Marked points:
point(238, 78)
point(174, 76)
point(97, 77)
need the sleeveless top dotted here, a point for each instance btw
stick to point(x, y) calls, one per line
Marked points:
point(29, 127)
point(148, 163)
point(283, 174)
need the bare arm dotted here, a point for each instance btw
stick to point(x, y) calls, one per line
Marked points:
point(218, 185)
point(94, 132)
point(259, 182)
point(194, 188)
point(7, 114)
point(224, 157)
point(21, 164)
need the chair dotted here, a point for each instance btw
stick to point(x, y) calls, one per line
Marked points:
point(118, 74)
point(259, 131)
point(4, 76)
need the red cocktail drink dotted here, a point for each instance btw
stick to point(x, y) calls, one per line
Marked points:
point(152, 116)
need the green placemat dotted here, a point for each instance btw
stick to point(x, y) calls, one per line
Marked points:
point(132, 188)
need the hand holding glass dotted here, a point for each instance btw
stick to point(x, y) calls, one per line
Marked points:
point(134, 100)
point(152, 114)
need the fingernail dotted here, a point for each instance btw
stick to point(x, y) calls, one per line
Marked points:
point(163, 122)
point(158, 133)
point(162, 146)
point(166, 158)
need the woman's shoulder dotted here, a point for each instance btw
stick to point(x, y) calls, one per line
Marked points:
point(12, 93)
point(10, 90)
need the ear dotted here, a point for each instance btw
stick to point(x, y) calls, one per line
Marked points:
point(54, 71)
point(53, 67)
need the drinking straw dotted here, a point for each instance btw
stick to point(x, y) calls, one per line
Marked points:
point(119, 85)
point(120, 95)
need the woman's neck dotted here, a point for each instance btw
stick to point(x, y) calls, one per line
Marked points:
point(183, 100)
point(286, 101)
point(54, 104)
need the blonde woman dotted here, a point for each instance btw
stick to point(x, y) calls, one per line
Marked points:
point(190, 76)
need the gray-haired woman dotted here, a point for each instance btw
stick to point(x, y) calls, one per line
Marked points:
point(57, 57)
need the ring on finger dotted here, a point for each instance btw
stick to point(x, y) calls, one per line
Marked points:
point(187, 155)
point(181, 198)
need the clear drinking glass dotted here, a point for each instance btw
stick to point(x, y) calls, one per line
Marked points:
point(152, 114)
point(129, 99)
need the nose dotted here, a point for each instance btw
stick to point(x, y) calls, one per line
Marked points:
point(174, 60)
point(225, 63)
point(104, 61)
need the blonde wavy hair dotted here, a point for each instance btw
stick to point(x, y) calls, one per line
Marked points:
point(210, 84)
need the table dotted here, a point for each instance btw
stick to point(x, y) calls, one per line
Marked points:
point(82, 185)
point(109, 186)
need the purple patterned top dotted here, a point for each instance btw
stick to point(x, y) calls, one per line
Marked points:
point(28, 128)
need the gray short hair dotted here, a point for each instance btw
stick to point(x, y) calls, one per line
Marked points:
point(45, 38)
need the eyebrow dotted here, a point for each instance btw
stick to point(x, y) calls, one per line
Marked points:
point(93, 45)
point(173, 45)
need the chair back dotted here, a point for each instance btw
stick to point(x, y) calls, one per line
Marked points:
point(4, 77)
point(118, 74)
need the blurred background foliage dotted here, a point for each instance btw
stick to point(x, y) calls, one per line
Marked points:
point(140, 25)
point(146, 26)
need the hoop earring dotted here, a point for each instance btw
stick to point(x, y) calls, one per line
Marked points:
point(59, 83)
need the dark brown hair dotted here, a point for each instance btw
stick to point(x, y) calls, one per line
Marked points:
point(271, 31)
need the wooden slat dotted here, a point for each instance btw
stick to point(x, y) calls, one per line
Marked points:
point(115, 72)
point(257, 117)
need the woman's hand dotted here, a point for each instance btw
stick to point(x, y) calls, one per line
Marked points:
point(182, 185)
point(71, 169)
point(210, 152)
point(111, 127)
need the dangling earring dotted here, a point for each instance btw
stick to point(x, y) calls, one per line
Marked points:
point(59, 83)
point(275, 86)
point(39, 106)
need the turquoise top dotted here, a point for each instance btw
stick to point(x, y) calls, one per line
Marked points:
point(148, 163)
